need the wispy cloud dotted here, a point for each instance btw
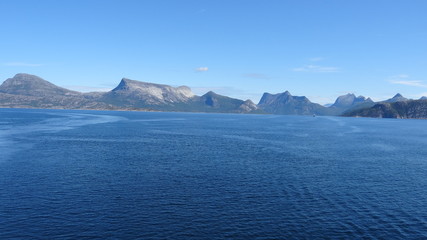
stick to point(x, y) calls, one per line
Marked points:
point(401, 76)
point(316, 59)
point(316, 68)
point(404, 79)
point(201, 69)
point(413, 83)
point(256, 76)
point(22, 64)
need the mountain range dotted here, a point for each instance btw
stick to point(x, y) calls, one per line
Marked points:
point(30, 91)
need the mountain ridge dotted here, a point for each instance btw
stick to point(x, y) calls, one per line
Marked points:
point(30, 91)
point(285, 103)
point(402, 109)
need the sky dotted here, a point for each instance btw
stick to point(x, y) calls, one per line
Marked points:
point(240, 48)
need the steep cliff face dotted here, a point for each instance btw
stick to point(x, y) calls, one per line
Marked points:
point(142, 94)
point(152, 93)
point(403, 109)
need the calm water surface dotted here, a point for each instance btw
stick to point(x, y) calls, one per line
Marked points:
point(135, 175)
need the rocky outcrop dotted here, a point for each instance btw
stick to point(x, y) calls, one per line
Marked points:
point(248, 106)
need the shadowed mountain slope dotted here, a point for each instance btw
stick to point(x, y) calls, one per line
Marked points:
point(402, 109)
point(285, 103)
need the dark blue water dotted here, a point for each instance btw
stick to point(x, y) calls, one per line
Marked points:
point(135, 175)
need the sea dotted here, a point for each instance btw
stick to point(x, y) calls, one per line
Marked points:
point(69, 174)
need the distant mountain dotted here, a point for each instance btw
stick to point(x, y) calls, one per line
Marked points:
point(423, 98)
point(285, 103)
point(29, 91)
point(399, 109)
point(397, 98)
point(212, 102)
point(131, 93)
point(160, 97)
point(350, 102)
point(31, 85)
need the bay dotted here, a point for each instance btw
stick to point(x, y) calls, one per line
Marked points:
point(144, 175)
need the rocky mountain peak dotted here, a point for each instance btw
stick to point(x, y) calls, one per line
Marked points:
point(285, 103)
point(152, 93)
point(23, 79)
point(397, 98)
point(210, 93)
point(349, 100)
point(31, 85)
point(345, 100)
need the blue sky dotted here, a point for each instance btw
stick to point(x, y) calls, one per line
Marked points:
point(320, 49)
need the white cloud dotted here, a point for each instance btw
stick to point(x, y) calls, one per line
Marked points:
point(316, 68)
point(401, 76)
point(202, 69)
point(403, 79)
point(414, 83)
point(256, 76)
point(22, 64)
